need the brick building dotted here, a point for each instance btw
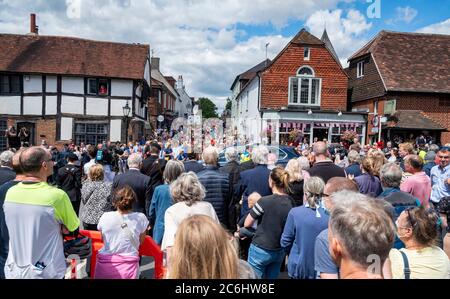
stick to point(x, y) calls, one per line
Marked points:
point(304, 87)
point(406, 78)
point(63, 88)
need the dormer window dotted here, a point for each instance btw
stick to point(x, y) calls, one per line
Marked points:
point(360, 69)
point(98, 86)
point(306, 53)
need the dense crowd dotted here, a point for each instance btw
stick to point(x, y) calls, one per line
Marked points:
point(333, 212)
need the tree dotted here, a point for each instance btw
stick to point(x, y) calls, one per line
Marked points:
point(228, 105)
point(209, 109)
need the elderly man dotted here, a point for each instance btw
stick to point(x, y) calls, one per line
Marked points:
point(6, 172)
point(418, 184)
point(354, 168)
point(324, 265)
point(323, 167)
point(360, 234)
point(35, 215)
point(217, 186)
point(140, 183)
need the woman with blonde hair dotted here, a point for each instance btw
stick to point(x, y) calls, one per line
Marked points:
point(94, 197)
point(295, 189)
point(303, 225)
point(265, 253)
point(204, 250)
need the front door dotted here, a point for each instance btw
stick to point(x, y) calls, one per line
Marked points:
point(26, 131)
point(321, 134)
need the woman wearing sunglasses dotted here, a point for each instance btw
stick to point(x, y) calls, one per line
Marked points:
point(421, 258)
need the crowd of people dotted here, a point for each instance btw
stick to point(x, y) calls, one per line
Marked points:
point(362, 212)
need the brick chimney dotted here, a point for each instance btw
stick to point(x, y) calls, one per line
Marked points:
point(155, 63)
point(34, 30)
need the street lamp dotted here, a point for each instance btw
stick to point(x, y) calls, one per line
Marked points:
point(126, 114)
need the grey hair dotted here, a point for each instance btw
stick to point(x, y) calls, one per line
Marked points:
point(6, 158)
point(362, 226)
point(134, 160)
point(210, 155)
point(260, 154)
point(313, 189)
point(231, 154)
point(434, 147)
point(353, 157)
point(187, 188)
point(304, 163)
point(172, 170)
point(294, 170)
point(390, 175)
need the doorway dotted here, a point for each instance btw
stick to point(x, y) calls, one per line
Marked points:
point(321, 134)
point(28, 134)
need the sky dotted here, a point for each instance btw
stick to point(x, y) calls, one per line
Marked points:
point(210, 42)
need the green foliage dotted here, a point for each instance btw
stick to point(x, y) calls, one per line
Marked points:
point(228, 105)
point(209, 109)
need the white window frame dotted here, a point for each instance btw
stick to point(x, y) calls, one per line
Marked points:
point(310, 78)
point(360, 69)
point(308, 51)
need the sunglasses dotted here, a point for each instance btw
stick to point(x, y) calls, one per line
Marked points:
point(410, 219)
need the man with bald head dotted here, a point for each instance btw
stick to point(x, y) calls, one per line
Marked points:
point(36, 214)
point(323, 167)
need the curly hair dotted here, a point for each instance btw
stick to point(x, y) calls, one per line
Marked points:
point(187, 188)
point(124, 198)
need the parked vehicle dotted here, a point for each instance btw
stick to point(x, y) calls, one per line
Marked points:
point(283, 152)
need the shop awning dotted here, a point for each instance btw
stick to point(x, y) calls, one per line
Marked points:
point(412, 120)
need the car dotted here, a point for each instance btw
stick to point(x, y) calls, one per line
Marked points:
point(283, 152)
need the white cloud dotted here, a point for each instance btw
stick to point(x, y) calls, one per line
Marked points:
point(196, 38)
point(403, 14)
point(439, 28)
point(346, 33)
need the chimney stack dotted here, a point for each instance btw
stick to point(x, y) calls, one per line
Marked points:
point(155, 63)
point(33, 28)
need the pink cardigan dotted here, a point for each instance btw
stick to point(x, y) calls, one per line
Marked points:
point(116, 266)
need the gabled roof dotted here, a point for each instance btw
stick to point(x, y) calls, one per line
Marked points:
point(71, 56)
point(251, 73)
point(326, 40)
point(156, 75)
point(414, 62)
point(304, 37)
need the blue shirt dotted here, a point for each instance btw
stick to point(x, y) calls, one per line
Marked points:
point(300, 231)
point(354, 169)
point(161, 201)
point(323, 262)
point(439, 186)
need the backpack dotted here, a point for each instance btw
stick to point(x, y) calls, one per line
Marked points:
point(99, 156)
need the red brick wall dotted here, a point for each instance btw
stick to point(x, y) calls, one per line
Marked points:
point(46, 127)
point(275, 80)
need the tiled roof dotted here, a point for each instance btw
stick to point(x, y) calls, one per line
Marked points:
point(414, 62)
point(251, 73)
point(71, 56)
point(414, 119)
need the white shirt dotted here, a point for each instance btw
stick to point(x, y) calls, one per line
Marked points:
point(115, 238)
point(88, 165)
point(177, 213)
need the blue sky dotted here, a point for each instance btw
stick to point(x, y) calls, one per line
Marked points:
point(210, 42)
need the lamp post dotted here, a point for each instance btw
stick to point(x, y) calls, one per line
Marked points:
point(126, 114)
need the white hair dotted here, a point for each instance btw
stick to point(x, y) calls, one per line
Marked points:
point(231, 154)
point(210, 155)
point(304, 163)
point(134, 160)
point(6, 158)
point(260, 154)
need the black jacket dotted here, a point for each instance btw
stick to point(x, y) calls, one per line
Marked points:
point(192, 165)
point(233, 169)
point(69, 180)
point(6, 175)
point(218, 191)
point(140, 183)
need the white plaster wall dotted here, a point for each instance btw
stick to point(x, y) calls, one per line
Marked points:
point(97, 106)
point(72, 105)
point(115, 130)
point(117, 107)
point(122, 88)
point(66, 128)
point(51, 84)
point(73, 85)
point(147, 72)
point(32, 105)
point(249, 122)
point(10, 105)
point(34, 84)
point(50, 105)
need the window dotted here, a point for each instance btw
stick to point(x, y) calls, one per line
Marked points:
point(91, 133)
point(10, 84)
point(360, 69)
point(3, 127)
point(305, 89)
point(306, 53)
point(375, 108)
point(98, 87)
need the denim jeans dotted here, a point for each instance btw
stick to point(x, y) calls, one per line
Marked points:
point(266, 263)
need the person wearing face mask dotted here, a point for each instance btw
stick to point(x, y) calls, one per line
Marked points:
point(324, 265)
point(302, 226)
point(360, 235)
point(420, 258)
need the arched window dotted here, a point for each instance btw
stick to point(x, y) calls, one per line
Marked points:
point(305, 71)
